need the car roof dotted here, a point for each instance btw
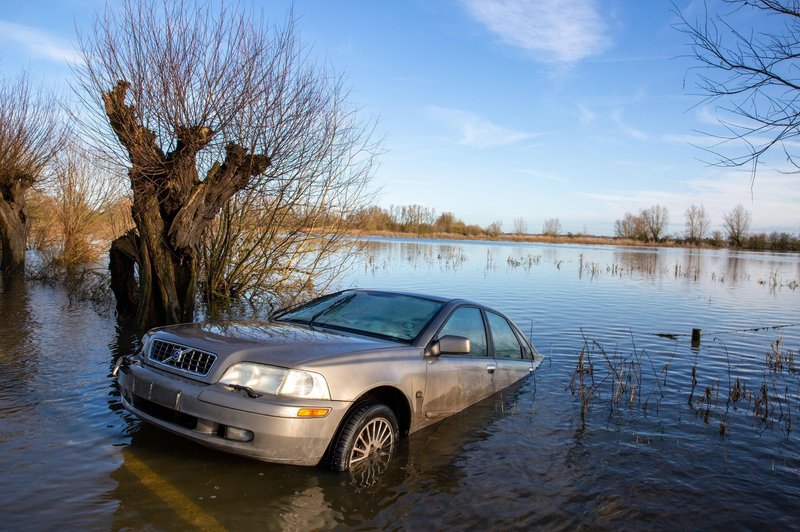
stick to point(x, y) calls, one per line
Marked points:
point(440, 299)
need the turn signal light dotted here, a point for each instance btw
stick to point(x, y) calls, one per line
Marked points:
point(313, 412)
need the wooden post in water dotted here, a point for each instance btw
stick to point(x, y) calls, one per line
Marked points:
point(696, 334)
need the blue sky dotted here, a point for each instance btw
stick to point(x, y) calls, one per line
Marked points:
point(496, 109)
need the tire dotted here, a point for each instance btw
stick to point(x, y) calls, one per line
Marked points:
point(371, 429)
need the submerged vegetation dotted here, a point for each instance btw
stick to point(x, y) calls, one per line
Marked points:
point(638, 383)
point(626, 265)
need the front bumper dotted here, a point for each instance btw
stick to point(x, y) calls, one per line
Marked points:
point(215, 416)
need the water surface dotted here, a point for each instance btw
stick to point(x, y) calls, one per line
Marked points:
point(666, 454)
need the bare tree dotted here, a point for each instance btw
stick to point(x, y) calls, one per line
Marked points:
point(656, 220)
point(494, 228)
point(371, 218)
point(202, 102)
point(446, 222)
point(697, 223)
point(82, 188)
point(288, 239)
point(551, 227)
point(630, 226)
point(736, 224)
point(30, 134)
point(413, 218)
point(520, 225)
point(754, 74)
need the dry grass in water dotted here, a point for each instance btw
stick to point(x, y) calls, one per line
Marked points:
point(635, 384)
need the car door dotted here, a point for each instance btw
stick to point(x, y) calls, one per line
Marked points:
point(512, 357)
point(455, 381)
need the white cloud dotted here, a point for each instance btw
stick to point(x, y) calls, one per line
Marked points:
point(542, 175)
point(476, 130)
point(704, 115)
point(627, 129)
point(39, 43)
point(554, 31)
point(722, 150)
point(586, 116)
point(694, 140)
point(632, 200)
point(772, 201)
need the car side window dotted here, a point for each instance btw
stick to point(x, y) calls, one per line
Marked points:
point(467, 322)
point(526, 348)
point(506, 344)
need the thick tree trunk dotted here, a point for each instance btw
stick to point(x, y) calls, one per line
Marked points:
point(14, 226)
point(122, 259)
point(150, 284)
point(166, 273)
point(171, 209)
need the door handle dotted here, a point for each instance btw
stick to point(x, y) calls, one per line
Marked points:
point(490, 368)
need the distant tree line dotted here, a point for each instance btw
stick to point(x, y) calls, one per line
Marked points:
point(650, 225)
point(417, 219)
point(420, 220)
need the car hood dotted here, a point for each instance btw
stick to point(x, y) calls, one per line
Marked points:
point(276, 343)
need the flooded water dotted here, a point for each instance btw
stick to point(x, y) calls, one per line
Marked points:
point(625, 424)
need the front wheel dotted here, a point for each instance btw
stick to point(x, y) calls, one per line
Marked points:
point(370, 434)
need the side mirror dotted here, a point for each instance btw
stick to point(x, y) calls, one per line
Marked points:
point(450, 345)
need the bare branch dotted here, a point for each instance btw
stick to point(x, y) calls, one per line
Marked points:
point(753, 75)
point(30, 135)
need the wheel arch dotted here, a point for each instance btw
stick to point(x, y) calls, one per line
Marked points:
point(386, 395)
point(389, 396)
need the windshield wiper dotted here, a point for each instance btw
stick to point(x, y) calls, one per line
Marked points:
point(331, 308)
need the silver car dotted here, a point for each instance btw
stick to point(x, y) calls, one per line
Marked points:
point(334, 382)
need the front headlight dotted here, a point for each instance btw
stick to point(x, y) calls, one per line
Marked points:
point(145, 349)
point(277, 381)
point(258, 377)
point(305, 384)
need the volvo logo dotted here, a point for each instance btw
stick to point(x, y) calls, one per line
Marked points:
point(177, 355)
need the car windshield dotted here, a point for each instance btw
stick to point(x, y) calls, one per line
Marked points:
point(394, 316)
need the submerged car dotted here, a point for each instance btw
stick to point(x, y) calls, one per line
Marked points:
point(333, 382)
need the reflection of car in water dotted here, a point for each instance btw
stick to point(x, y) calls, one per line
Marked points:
point(333, 382)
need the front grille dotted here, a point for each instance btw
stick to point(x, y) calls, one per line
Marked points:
point(181, 357)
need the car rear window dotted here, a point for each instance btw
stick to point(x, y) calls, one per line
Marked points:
point(394, 316)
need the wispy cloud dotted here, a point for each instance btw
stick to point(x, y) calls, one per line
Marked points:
point(542, 175)
point(629, 130)
point(704, 115)
point(39, 43)
point(694, 140)
point(586, 116)
point(554, 31)
point(476, 130)
point(772, 200)
point(724, 121)
point(633, 199)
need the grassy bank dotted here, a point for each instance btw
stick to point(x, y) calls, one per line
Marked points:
point(547, 239)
